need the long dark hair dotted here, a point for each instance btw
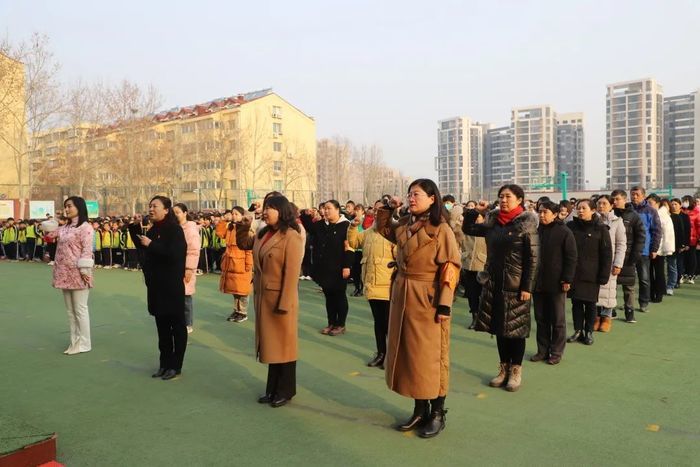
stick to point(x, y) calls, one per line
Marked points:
point(79, 203)
point(437, 213)
point(287, 219)
point(183, 207)
point(167, 204)
point(690, 200)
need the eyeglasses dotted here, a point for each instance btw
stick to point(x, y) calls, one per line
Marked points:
point(415, 194)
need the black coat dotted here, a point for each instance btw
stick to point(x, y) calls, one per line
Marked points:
point(594, 258)
point(558, 257)
point(636, 236)
point(680, 233)
point(163, 267)
point(330, 255)
point(511, 267)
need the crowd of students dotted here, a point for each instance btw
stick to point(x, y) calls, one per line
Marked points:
point(406, 259)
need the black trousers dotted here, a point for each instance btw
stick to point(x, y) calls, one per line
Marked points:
point(11, 250)
point(584, 314)
point(689, 260)
point(380, 312)
point(31, 246)
point(132, 259)
point(117, 256)
point(51, 249)
point(472, 289)
point(550, 315)
point(511, 350)
point(106, 257)
point(657, 279)
point(357, 270)
point(336, 304)
point(282, 379)
point(172, 340)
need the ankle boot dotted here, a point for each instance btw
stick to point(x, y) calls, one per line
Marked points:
point(500, 380)
point(473, 325)
point(435, 424)
point(596, 323)
point(588, 338)
point(421, 412)
point(605, 324)
point(514, 378)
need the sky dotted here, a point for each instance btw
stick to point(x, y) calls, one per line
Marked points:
point(379, 72)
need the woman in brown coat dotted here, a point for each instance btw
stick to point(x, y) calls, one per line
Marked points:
point(278, 250)
point(236, 266)
point(428, 264)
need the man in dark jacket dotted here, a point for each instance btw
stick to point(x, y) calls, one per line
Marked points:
point(636, 236)
point(555, 273)
point(652, 229)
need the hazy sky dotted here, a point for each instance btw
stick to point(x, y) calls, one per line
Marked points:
point(379, 72)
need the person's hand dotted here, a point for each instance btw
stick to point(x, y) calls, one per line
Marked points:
point(616, 271)
point(441, 318)
point(346, 273)
point(565, 286)
point(85, 277)
point(356, 221)
point(653, 256)
point(524, 296)
point(145, 241)
point(395, 202)
point(482, 206)
point(188, 275)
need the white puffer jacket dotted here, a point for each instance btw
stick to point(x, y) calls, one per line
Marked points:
point(668, 237)
point(607, 295)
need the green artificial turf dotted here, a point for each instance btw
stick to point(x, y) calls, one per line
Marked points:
point(629, 399)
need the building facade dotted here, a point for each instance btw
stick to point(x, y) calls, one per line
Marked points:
point(682, 141)
point(570, 149)
point(214, 155)
point(14, 157)
point(634, 134)
point(460, 162)
point(499, 167)
point(534, 145)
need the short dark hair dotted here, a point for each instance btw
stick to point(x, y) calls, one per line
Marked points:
point(550, 206)
point(622, 193)
point(517, 190)
point(81, 206)
point(589, 202)
point(448, 198)
point(334, 202)
point(605, 197)
point(167, 204)
point(655, 197)
point(238, 209)
point(287, 219)
point(437, 212)
point(639, 188)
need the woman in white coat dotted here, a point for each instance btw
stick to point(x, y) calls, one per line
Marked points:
point(607, 296)
point(72, 271)
point(667, 246)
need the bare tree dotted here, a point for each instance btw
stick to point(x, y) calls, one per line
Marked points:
point(29, 102)
point(257, 161)
point(368, 163)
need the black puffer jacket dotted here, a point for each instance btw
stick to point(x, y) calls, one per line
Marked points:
point(330, 255)
point(511, 268)
point(636, 235)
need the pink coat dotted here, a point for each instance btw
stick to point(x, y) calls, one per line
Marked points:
point(192, 257)
point(74, 243)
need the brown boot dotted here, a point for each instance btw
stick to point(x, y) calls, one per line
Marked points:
point(500, 380)
point(605, 324)
point(596, 323)
point(514, 378)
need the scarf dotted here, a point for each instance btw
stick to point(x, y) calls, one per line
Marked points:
point(506, 217)
point(417, 222)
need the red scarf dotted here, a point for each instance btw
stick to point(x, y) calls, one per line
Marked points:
point(505, 217)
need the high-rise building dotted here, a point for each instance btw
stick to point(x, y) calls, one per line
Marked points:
point(682, 140)
point(333, 157)
point(460, 159)
point(570, 149)
point(14, 160)
point(498, 159)
point(634, 134)
point(534, 145)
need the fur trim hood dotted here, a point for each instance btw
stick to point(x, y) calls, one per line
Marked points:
point(525, 222)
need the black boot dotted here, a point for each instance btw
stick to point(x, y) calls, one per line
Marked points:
point(436, 421)
point(473, 325)
point(588, 338)
point(378, 360)
point(421, 412)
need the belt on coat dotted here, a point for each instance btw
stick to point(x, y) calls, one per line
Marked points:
point(420, 276)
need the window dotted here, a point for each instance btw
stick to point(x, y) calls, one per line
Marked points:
point(276, 111)
point(276, 129)
point(232, 164)
point(277, 166)
point(277, 146)
point(233, 184)
point(188, 128)
point(277, 185)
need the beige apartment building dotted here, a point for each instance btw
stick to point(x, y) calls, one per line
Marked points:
point(214, 155)
point(634, 134)
point(14, 166)
point(533, 131)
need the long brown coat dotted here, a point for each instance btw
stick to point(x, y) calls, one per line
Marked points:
point(277, 265)
point(417, 361)
point(236, 263)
